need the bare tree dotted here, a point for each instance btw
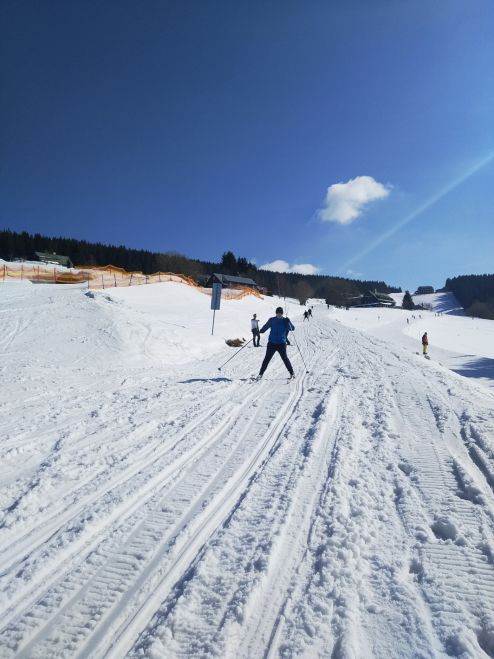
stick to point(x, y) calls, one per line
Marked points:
point(303, 291)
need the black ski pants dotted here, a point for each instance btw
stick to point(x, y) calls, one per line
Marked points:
point(270, 350)
point(256, 336)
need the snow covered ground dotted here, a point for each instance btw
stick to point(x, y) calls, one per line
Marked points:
point(463, 344)
point(153, 506)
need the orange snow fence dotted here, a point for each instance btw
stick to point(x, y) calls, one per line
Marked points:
point(109, 276)
point(41, 273)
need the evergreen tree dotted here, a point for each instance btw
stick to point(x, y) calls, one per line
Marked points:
point(336, 290)
point(481, 310)
point(474, 291)
point(408, 302)
point(245, 267)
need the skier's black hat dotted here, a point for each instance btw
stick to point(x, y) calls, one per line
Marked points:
point(279, 309)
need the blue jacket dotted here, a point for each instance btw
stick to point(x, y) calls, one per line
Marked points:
point(279, 329)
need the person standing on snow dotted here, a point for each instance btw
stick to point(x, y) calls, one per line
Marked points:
point(278, 337)
point(425, 343)
point(254, 326)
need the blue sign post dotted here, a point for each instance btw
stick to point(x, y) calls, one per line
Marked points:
point(215, 301)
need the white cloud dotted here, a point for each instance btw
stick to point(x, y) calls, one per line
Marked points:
point(283, 266)
point(305, 269)
point(352, 274)
point(345, 201)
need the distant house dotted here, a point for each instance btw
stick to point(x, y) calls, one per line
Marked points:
point(375, 299)
point(54, 259)
point(424, 290)
point(228, 281)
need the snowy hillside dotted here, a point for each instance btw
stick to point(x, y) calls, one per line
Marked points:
point(153, 506)
point(437, 302)
point(462, 344)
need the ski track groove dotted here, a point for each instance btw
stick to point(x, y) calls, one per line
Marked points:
point(253, 554)
point(246, 403)
point(441, 555)
point(173, 582)
point(125, 569)
point(263, 637)
point(169, 472)
point(141, 431)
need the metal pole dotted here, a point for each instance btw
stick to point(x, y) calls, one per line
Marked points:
point(306, 369)
point(228, 360)
point(212, 329)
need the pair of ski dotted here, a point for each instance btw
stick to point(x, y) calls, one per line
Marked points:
point(259, 377)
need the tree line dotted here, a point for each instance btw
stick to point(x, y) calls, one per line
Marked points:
point(475, 293)
point(335, 290)
point(23, 245)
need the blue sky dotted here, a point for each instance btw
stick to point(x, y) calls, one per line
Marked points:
point(353, 137)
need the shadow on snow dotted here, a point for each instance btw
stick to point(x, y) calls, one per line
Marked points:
point(481, 367)
point(219, 379)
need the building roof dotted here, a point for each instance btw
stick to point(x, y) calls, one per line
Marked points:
point(51, 257)
point(378, 298)
point(230, 279)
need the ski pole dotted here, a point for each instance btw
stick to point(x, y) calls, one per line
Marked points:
point(306, 369)
point(228, 360)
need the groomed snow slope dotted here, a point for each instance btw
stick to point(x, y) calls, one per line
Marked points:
point(153, 506)
point(460, 343)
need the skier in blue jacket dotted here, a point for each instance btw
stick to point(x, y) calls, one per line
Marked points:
point(278, 337)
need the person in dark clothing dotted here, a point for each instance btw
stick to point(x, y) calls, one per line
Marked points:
point(278, 337)
point(306, 315)
point(425, 343)
point(256, 337)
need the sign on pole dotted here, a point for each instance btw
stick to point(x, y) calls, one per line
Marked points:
point(216, 297)
point(215, 301)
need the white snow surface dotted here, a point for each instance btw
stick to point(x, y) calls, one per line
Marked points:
point(154, 506)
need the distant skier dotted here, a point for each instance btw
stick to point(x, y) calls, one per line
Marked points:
point(425, 343)
point(256, 336)
point(310, 311)
point(306, 315)
point(278, 337)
